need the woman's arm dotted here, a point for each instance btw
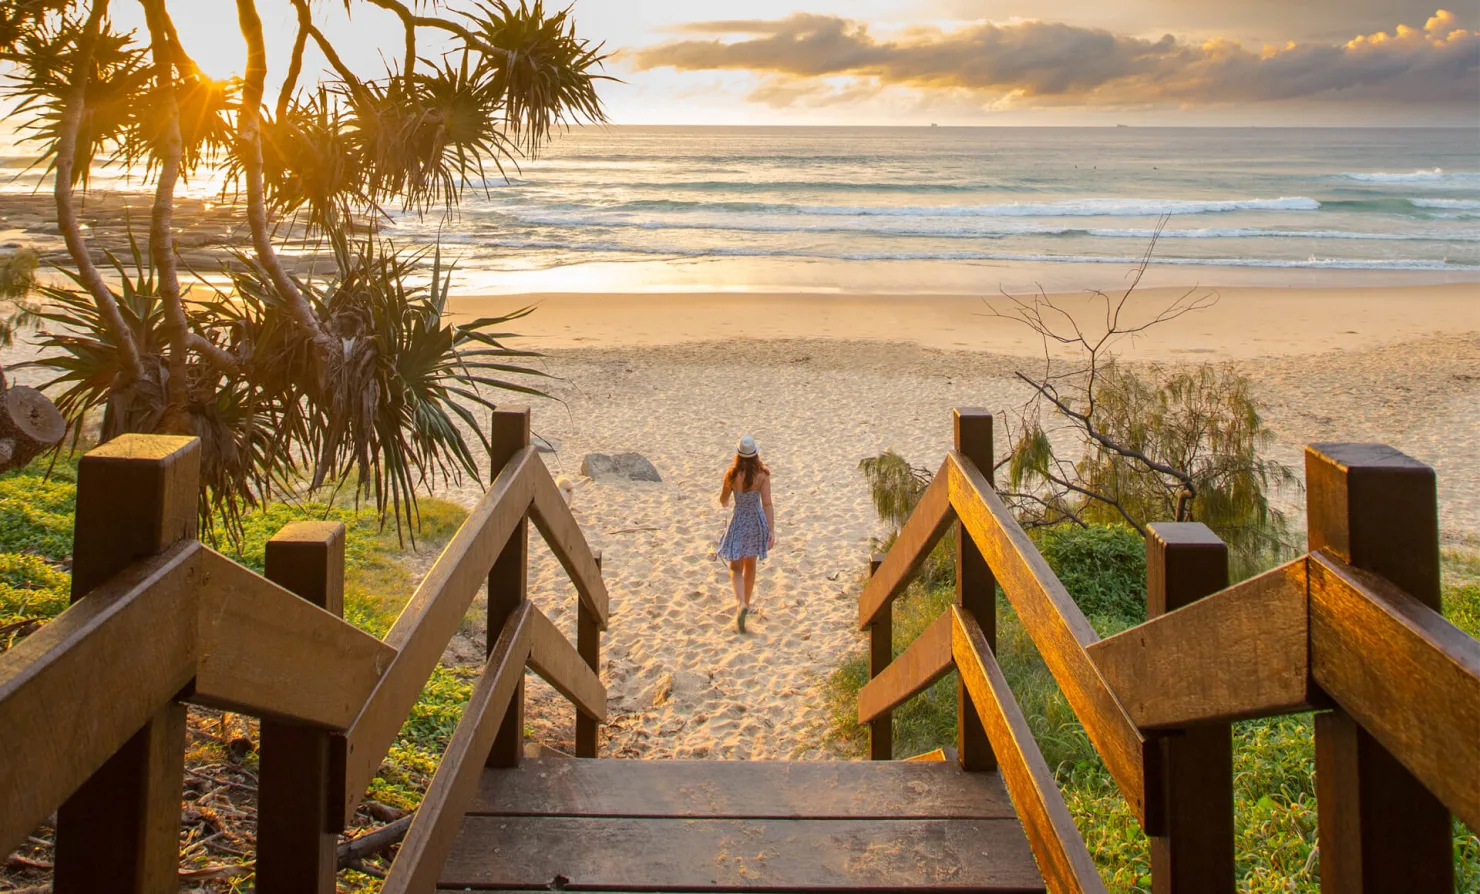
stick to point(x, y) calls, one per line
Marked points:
point(769, 509)
point(724, 493)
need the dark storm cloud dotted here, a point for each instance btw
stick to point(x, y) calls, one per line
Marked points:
point(1055, 63)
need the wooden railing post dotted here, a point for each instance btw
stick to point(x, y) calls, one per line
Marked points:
point(1185, 562)
point(976, 588)
point(296, 836)
point(1379, 829)
point(508, 581)
point(588, 644)
point(120, 831)
point(880, 654)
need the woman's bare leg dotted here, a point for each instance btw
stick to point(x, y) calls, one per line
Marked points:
point(737, 581)
point(750, 564)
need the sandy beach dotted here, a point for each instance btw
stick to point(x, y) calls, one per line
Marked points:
point(678, 377)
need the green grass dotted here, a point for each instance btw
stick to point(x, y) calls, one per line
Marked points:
point(1274, 760)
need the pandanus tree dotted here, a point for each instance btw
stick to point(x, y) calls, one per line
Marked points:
point(355, 375)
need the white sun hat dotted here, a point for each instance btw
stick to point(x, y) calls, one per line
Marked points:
point(746, 446)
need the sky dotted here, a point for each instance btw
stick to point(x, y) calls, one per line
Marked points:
point(969, 62)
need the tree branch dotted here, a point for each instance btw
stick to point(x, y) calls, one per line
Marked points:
point(249, 130)
point(295, 64)
point(408, 22)
point(66, 157)
point(161, 221)
point(416, 21)
point(1088, 427)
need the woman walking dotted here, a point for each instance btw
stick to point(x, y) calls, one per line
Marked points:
point(752, 529)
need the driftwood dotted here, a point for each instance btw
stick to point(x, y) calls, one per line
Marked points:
point(357, 849)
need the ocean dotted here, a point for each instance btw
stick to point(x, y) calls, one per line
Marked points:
point(959, 210)
point(939, 208)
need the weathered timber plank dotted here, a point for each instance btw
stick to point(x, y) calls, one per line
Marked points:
point(927, 524)
point(563, 535)
point(419, 860)
point(1062, 856)
point(726, 854)
point(508, 579)
point(742, 789)
point(1379, 828)
point(559, 664)
point(880, 656)
point(59, 724)
point(431, 618)
point(1241, 652)
point(976, 587)
point(120, 830)
point(925, 661)
point(1062, 634)
point(1186, 563)
point(1408, 676)
point(298, 792)
point(266, 652)
point(588, 644)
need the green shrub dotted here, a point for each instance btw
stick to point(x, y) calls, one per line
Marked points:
point(1102, 566)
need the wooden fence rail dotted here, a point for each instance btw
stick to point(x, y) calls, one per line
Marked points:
point(1352, 630)
point(170, 621)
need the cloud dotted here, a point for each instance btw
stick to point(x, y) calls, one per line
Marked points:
point(1051, 63)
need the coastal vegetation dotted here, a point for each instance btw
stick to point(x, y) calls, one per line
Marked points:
point(345, 372)
point(1140, 445)
point(1103, 567)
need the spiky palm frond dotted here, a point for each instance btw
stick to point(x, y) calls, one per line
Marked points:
point(206, 131)
point(391, 404)
point(41, 85)
point(548, 77)
point(422, 140)
point(309, 164)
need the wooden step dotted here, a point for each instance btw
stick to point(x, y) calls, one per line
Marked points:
point(616, 825)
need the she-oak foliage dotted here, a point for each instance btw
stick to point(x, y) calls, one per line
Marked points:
point(357, 376)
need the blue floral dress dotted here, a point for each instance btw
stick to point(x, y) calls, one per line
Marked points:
point(748, 532)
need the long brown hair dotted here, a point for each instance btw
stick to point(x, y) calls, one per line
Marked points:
point(749, 466)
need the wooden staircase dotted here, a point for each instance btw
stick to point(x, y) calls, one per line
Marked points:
point(92, 722)
point(612, 825)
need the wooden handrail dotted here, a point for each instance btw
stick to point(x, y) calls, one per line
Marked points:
point(419, 861)
point(926, 525)
point(1062, 856)
point(1408, 676)
point(562, 533)
point(1062, 635)
point(267, 652)
point(558, 663)
point(60, 725)
point(430, 619)
point(186, 623)
point(925, 661)
point(1242, 652)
